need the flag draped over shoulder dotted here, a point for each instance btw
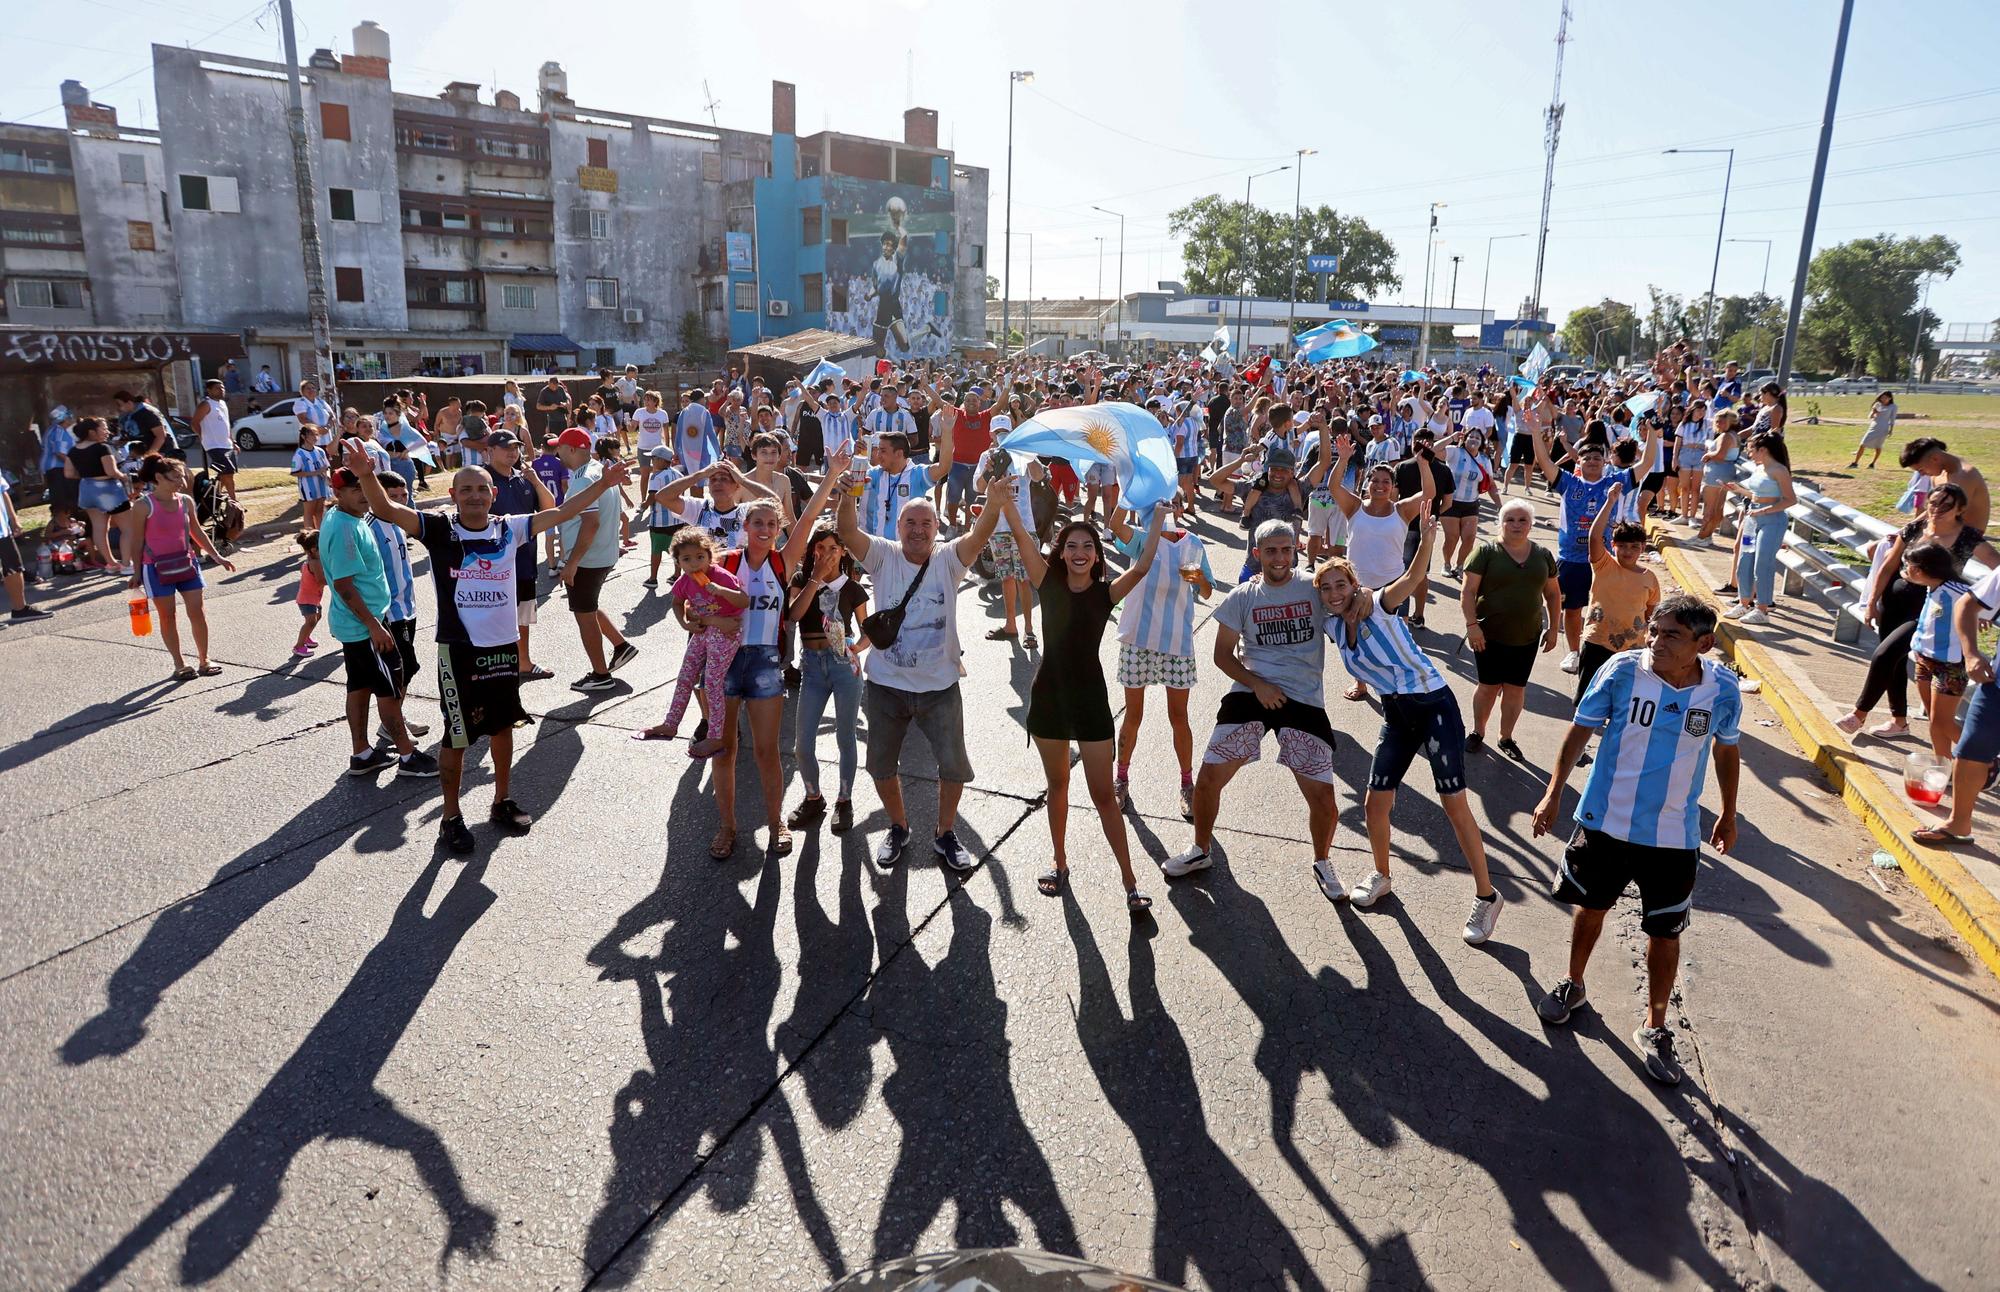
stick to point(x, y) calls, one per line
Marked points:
point(1127, 437)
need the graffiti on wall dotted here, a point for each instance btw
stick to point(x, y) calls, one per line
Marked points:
point(896, 266)
point(28, 349)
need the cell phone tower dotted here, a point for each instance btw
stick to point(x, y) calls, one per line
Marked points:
point(1552, 124)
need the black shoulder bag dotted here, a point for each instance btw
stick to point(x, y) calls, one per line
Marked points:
point(882, 627)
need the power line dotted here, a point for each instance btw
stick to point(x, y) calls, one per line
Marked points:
point(147, 66)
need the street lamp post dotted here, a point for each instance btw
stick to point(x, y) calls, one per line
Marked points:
point(1708, 324)
point(1121, 278)
point(1007, 253)
point(1917, 338)
point(1594, 340)
point(1292, 295)
point(1454, 282)
point(1487, 277)
point(1243, 279)
point(1430, 245)
point(1789, 350)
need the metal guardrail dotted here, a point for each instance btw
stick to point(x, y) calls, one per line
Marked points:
point(1819, 525)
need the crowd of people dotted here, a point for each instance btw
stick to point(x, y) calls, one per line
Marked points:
point(816, 539)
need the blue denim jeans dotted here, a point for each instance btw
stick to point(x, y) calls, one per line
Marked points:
point(824, 675)
point(1758, 563)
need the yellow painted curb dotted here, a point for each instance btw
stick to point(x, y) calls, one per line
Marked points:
point(1962, 900)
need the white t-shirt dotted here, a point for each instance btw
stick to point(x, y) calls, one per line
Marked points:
point(212, 420)
point(925, 656)
point(727, 526)
point(652, 424)
point(1480, 419)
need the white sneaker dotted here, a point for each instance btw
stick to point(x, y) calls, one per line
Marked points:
point(1186, 863)
point(1370, 890)
point(1329, 880)
point(1754, 619)
point(1737, 611)
point(1479, 924)
point(1572, 662)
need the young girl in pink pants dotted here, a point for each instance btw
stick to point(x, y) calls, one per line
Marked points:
point(702, 590)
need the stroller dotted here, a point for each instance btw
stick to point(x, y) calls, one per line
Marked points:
point(219, 515)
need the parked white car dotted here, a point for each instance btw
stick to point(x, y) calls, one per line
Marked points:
point(273, 427)
point(1854, 383)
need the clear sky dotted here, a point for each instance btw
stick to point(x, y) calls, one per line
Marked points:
point(1140, 107)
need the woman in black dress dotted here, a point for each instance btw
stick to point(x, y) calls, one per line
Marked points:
point(1068, 702)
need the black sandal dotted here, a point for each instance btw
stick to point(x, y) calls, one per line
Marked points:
point(1136, 901)
point(1000, 635)
point(1051, 881)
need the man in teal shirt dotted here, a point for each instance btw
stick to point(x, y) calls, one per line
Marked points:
point(590, 549)
point(353, 564)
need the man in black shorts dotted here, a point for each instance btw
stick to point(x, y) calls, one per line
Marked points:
point(472, 563)
point(1278, 620)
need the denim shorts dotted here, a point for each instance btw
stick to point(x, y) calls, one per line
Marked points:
point(958, 485)
point(1426, 722)
point(754, 674)
point(1979, 737)
point(1717, 473)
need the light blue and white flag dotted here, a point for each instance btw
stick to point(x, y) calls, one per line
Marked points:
point(1221, 342)
point(1536, 363)
point(1126, 436)
point(826, 370)
point(1338, 339)
point(1640, 405)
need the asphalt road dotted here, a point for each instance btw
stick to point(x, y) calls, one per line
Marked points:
point(260, 1035)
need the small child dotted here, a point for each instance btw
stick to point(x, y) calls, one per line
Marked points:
point(661, 519)
point(309, 468)
point(472, 434)
point(1935, 650)
point(312, 591)
point(549, 469)
point(703, 589)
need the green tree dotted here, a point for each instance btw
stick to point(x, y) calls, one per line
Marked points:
point(1666, 321)
point(992, 288)
point(1749, 328)
point(694, 341)
point(1862, 310)
point(1616, 321)
point(1220, 250)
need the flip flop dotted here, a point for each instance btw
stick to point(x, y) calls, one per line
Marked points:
point(183, 674)
point(1000, 635)
point(210, 670)
point(1050, 882)
point(1136, 901)
point(723, 846)
point(1355, 692)
point(1934, 837)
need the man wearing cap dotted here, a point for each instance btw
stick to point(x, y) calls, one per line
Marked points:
point(518, 492)
point(479, 680)
point(590, 549)
point(359, 618)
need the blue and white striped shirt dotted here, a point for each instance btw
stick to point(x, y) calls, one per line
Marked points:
point(1935, 637)
point(1159, 614)
point(1645, 786)
point(836, 431)
point(1382, 653)
point(313, 486)
point(883, 422)
point(887, 492)
point(395, 545)
point(1466, 477)
point(660, 515)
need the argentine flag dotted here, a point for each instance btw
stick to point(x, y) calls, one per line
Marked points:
point(1336, 339)
point(1125, 436)
point(826, 370)
point(1536, 363)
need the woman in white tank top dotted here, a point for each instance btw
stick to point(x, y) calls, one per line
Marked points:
point(1377, 526)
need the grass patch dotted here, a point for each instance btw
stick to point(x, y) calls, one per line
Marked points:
point(1970, 424)
point(250, 480)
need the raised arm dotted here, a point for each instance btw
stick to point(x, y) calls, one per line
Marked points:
point(1413, 578)
point(1598, 550)
point(578, 501)
point(801, 540)
point(944, 417)
point(1344, 498)
point(1419, 503)
point(356, 459)
point(1000, 497)
point(1129, 580)
point(847, 524)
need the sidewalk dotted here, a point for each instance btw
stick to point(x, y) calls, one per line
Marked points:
point(1811, 680)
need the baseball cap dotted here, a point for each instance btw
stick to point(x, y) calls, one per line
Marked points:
point(574, 438)
point(1375, 419)
point(345, 479)
point(663, 454)
point(1280, 459)
point(502, 440)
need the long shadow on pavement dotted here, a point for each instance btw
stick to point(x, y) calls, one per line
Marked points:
point(326, 1090)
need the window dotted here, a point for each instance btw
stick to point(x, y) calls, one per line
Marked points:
point(599, 151)
point(517, 296)
point(810, 220)
point(838, 231)
point(812, 292)
point(32, 161)
point(744, 297)
point(516, 149)
point(978, 254)
point(131, 168)
point(48, 293)
point(209, 193)
point(42, 233)
point(333, 121)
point(711, 297)
point(711, 168)
point(347, 284)
point(500, 224)
point(600, 293)
point(367, 365)
point(140, 234)
point(435, 290)
point(600, 225)
point(426, 138)
point(457, 220)
point(341, 202)
point(417, 219)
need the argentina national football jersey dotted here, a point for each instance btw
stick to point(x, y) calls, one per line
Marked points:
point(1645, 786)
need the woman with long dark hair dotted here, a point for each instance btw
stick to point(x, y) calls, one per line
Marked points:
point(1769, 489)
point(826, 598)
point(1068, 702)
